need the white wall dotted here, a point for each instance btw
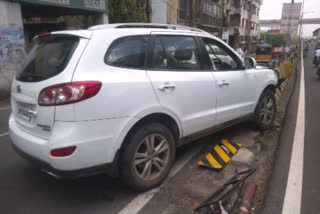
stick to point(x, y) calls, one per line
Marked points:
point(12, 51)
point(10, 13)
point(159, 11)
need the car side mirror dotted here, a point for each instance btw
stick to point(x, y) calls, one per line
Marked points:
point(250, 62)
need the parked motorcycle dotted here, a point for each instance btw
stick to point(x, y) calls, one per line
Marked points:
point(305, 52)
point(318, 72)
point(316, 61)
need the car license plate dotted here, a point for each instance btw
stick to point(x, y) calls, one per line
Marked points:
point(24, 115)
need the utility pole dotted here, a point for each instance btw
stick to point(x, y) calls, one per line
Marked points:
point(191, 14)
point(301, 17)
point(148, 11)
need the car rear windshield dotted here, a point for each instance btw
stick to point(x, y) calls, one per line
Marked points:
point(48, 58)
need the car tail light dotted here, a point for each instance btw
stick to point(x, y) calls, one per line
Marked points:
point(68, 93)
point(44, 34)
point(41, 35)
point(63, 152)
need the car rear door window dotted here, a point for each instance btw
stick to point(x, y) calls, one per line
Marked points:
point(128, 52)
point(48, 58)
point(175, 53)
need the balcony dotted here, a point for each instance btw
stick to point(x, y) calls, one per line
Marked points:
point(211, 14)
point(234, 10)
point(236, 7)
point(206, 13)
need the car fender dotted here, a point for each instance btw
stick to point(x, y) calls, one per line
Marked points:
point(269, 78)
point(140, 115)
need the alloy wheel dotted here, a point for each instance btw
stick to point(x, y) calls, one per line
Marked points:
point(151, 157)
point(267, 110)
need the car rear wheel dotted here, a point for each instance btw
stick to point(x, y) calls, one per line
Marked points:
point(147, 157)
point(265, 112)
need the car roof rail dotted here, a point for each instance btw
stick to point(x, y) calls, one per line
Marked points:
point(146, 25)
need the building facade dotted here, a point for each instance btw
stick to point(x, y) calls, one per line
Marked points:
point(203, 14)
point(242, 21)
point(235, 21)
point(316, 33)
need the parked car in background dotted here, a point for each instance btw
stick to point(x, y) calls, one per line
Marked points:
point(119, 99)
point(278, 52)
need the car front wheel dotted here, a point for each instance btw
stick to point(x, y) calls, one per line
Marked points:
point(147, 157)
point(265, 112)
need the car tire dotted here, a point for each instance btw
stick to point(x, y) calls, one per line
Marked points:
point(265, 112)
point(147, 157)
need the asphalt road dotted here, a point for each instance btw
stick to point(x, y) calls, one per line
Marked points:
point(310, 201)
point(24, 189)
point(311, 169)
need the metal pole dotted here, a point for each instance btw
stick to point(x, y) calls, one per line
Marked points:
point(301, 18)
point(191, 13)
point(148, 11)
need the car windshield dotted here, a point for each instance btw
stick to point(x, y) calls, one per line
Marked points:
point(48, 58)
point(264, 50)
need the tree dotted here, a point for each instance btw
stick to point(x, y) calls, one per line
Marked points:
point(121, 11)
point(274, 40)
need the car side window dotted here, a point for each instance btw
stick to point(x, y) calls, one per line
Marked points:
point(221, 58)
point(175, 53)
point(128, 52)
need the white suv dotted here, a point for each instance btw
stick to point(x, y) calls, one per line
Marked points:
point(119, 99)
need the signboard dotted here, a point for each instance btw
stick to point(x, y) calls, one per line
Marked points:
point(274, 31)
point(225, 36)
point(11, 47)
point(94, 5)
point(290, 18)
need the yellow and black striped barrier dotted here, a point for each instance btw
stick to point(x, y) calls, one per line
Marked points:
point(220, 155)
point(280, 89)
point(284, 70)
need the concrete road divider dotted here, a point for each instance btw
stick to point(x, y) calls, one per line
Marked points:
point(285, 70)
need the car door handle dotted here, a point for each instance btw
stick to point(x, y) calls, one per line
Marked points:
point(33, 113)
point(223, 83)
point(166, 86)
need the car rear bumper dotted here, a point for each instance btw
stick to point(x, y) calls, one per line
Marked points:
point(95, 141)
point(108, 168)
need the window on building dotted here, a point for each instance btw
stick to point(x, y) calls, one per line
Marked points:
point(141, 3)
point(127, 52)
point(236, 3)
point(253, 9)
point(183, 9)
